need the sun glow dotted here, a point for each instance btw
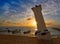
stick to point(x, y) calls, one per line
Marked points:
point(34, 23)
point(36, 29)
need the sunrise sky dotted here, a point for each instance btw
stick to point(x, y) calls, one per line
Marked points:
point(19, 13)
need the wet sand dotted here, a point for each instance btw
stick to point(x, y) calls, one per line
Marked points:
point(13, 39)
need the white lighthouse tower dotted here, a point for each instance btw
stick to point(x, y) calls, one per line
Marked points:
point(42, 31)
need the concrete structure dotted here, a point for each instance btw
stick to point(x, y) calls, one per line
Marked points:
point(42, 31)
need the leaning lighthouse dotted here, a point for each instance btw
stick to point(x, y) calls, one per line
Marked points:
point(42, 31)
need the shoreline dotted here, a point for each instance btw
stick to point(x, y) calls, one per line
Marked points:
point(13, 39)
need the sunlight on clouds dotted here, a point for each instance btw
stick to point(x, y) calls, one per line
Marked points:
point(16, 13)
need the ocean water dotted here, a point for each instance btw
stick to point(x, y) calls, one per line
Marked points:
point(54, 32)
point(29, 31)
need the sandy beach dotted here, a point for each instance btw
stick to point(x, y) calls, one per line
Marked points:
point(13, 39)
